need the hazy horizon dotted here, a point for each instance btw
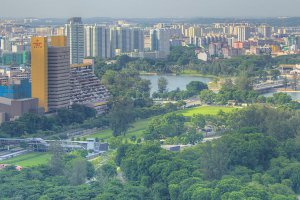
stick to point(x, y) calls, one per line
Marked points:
point(150, 9)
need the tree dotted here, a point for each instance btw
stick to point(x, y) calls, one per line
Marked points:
point(192, 136)
point(56, 162)
point(216, 158)
point(274, 74)
point(109, 170)
point(199, 121)
point(243, 83)
point(202, 193)
point(285, 82)
point(76, 171)
point(162, 84)
point(207, 96)
point(295, 81)
point(281, 98)
point(263, 75)
point(194, 87)
point(126, 82)
point(121, 115)
point(169, 125)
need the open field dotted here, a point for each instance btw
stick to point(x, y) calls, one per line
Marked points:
point(29, 160)
point(136, 129)
point(206, 110)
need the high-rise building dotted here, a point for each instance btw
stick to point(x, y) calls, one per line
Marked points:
point(50, 72)
point(193, 31)
point(74, 31)
point(265, 31)
point(88, 41)
point(4, 44)
point(153, 40)
point(160, 41)
point(138, 40)
point(97, 41)
point(58, 74)
point(59, 31)
point(230, 41)
point(39, 70)
point(126, 40)
point(243, 33)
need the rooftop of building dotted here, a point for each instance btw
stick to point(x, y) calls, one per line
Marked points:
point(8, 101)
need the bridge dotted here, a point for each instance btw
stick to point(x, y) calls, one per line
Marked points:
point(38, 144)
point(266, 87)
point(41, 145)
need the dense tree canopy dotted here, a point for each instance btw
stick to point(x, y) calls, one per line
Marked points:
point(31, 123)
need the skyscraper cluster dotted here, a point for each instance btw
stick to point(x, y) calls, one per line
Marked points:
point(107, 41)
point(100, 40)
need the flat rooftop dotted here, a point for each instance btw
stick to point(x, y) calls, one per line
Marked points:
point(8, 101)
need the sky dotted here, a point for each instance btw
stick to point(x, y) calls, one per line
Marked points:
point(149, 8)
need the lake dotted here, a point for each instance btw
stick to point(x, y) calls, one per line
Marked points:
point(180, 82)
point(174, 81)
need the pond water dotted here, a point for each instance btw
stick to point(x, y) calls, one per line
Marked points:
point(180, 82)
point(174, 81)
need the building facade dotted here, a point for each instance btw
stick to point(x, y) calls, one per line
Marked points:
point(50, 72)
point(58, 78)
point(243, 33)
point(97, 41)
point(160, 41)
point(74, 31)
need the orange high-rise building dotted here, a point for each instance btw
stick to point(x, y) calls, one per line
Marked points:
point(39, 70)
point(50, 72)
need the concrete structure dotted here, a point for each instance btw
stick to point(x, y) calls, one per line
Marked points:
point(87, 89)
point(74, 31)
point(14, 108)
point(202, 56)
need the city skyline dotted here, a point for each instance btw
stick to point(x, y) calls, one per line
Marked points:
point(147, 9)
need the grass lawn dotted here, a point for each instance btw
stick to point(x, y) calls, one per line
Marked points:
point(206, 110)
point(29, 160)
point(137, 129)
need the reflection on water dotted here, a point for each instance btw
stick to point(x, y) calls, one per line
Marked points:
point(174, 82)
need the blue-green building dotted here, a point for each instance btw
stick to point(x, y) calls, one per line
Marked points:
point(15, 58)
point(19, 89)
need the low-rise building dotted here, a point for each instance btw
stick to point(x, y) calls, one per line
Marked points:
point(14, 108)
